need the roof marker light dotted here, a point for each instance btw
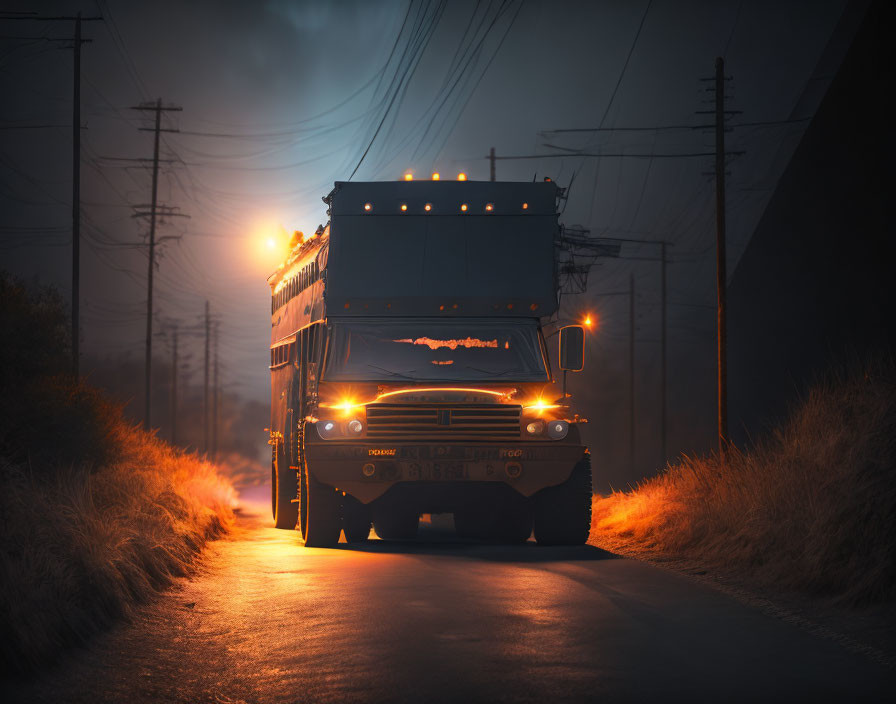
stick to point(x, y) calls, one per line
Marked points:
point(461, 177)
point(525, 206)
point(435, 176)
point(367, 207)
point(489, 207)
point(427, 207)
point(404, 207)
point(463, 207)
point(409, 177)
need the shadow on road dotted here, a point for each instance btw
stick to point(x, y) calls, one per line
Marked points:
point(447, 544)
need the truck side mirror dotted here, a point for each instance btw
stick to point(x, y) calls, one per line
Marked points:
point(572, 348)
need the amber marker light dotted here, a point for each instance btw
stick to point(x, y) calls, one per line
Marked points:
point(435, 176)
point(346, 406)
point(525, 206)
point(489, 207)
point(461, 177)
point(540, 405)
point(588, 322)
point(463, 207)
point(427, 207)
point(409, 177)
point(404, 207)
point(368, 207)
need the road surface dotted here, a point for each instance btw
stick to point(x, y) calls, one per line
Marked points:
point(267, 620)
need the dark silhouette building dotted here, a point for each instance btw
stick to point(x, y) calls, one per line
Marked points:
point(815, 286)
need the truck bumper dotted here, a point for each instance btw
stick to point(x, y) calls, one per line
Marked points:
point(367, 471)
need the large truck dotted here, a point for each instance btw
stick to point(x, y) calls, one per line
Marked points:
point(410, 371)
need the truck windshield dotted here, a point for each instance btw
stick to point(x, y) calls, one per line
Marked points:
point(380, 349)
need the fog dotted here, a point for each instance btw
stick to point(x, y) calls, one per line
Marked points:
point(281, 99)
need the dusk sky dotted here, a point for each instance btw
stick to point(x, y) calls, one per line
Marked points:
point(281, 99)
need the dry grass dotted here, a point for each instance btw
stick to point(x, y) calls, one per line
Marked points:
point(811, 508)
point(95, 515)
point(82, 545)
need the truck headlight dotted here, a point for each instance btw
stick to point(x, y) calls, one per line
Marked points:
point(328, 429)
point(536, 427)
point(557, 429)
point(355, 426)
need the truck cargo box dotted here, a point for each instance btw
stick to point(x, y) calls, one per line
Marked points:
point(442, 248)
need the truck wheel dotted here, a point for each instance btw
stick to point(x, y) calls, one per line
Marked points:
point(322, 517)
point(283, 490)
point(396, 526)
point(563, 512)
point(355, 520)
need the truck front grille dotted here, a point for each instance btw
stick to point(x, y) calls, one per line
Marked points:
point(389, 420)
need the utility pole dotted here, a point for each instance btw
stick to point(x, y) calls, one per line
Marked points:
point(631, 372)
point(153, 212)
point(721, 267)
point(215, 400)
point(663, 341)
point(205, 392)
point(76, 164)
point(174, 387)
point(76, 202)
point(491, 162)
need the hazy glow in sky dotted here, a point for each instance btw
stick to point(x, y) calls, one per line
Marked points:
point(280, 99)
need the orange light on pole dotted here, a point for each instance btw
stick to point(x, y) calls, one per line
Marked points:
point(409, 176)
point(435, 176)
point(461, 177)
point(588, 322)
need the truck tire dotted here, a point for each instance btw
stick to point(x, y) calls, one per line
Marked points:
point(323, 520)
point(355, 520)
point(563, 512)
point(396, 526)
point(283, 490)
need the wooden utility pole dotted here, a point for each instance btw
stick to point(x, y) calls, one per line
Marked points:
point(205, 428)
point(631, 372)
point(76, 202)
point(215, 399)
point(491, 164)
point(153, 213)
point(152, 261)
point(663, 328)
point(174, 386)
point(721, 267)
point(77, 41)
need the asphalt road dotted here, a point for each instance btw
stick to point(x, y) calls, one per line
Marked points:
point(267, 620)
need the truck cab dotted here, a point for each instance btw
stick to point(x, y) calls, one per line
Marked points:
point(410, 368)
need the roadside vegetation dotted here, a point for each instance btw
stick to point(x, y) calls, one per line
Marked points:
point(809, 509)
point(96, 515)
